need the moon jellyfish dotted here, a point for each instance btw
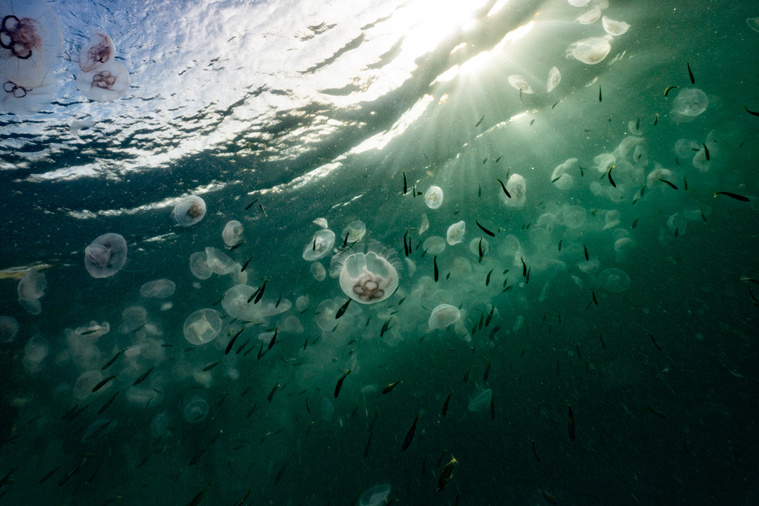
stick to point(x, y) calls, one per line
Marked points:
point(107, 83)
point(232, 233)
point(202, 326)
point(199, 265)
point(578, 3)
point(159, 426)
point(615, 28)
point(443, 316)
point(321, 222)
point(517, 188)
point(622, 247)
point(189, 211)
point(20, 100)
point(433, 197)
point(105, 256)
point(590, 51)
point(31, 289)
point(218, 261)
point(554, 78)
point(475, 245)
point(520, 83)
point(302, 303)
point(434, 245)
point(195, 409)
point(375, 496)
point(688, 104)
point(560, 178)
point(369, 277)
point(481, 401)
point(590, 16)
point(612, 219)
point(86, 382)
point(8, 329)
point(318, 271)
point(96, 53)
point(574, 216)
point(753, 23)
point(354, 231)
point(614, 280)
point(456, 233)
point(424, 225)
point(30, 40)
point(319, 245)
point(35, 352)
point(158, 289)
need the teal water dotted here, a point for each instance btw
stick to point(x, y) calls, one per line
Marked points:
point(278, 114)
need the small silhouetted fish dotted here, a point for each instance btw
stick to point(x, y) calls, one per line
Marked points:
point(480, 121)
point(654, 341)
point(446, 474)
point(211, 366)
point(391, 386)
point(110, 362)
point(600, 96)
point(504, 188)
point(445, 404)
point(49, 475)
point(107, 403)
point(339, 385)
point(232, 341)
point(341, 310)
point(103, 383)
point(232, 248)
point(733, 196)
point(245, 265)
point(434, 263)
point(754, 113)
point(491, 234)
point(548, 497)
point(690, 74)
point(405, 186)
point(669, 88)
point(608, 173)
point(250, 205)
point(143, 377)
point(410, 434)
point(271, 394)
point(571, 423)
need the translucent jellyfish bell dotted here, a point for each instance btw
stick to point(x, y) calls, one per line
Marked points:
point(574, 216)
point(20, 100)
point(96, 53)
point(202, 326)
point(517, 188)
point(434, 245)
point(591, 51)
point(159, 288)
point(433, 197)
point(30, 41)
point(456, 233)
point(354, 231)
point(195, 409)
point(554, 78)
point(199, 265)
point(481, 401)
point(520, 83)
point(219, 262)
point(443, 316)
point(105, 84)
point(319, 245)
point(614, 280)
point(369, 277)
point(688, 104)
point(8, 329)
point(105, 256)
point(232, 233)
point(375, 496)
point(189, 211)
point(615, 28)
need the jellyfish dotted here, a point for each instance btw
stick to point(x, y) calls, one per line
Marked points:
point(375, 496)
point(434, 245)
point(219, 262)
point(354, 232)
point(195, 409)
point(321, 222)
point(86, 382)
point(159, 289)
point(8, 329)
point(481, 401)
point(232, 233)
point(574, 216)
point(189, 211)
point(578, 3)
point(31, 289)
point(93, 331)
point(554, 78)
point(105, 84)
point(753, 23)
point(622, 247)
point(456, 233)
point(319, 245)
point(30, 41)
point(159, 426)
point(478, 245)
point(614, 280)
point(35, 351)
point(20, 100)
point(133, 318)
point(688, 104)
point(318, 271)
point(433, 197)
point(520, 84)
point(369, 277)
point(517, 188)
point(612, 219)
point(96, 53)
point(589, 16)
point(443, 316)
point(302, 303)
point(202, 326)
point(591, 51)
point(560, 177)
point(615, 28)
point(105, 256)
point(199, 265)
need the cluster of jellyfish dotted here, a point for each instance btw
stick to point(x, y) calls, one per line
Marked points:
point(30, 42)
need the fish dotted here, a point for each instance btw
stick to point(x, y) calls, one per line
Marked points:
point(232, 341)
point(480, 121)
point(492, 407)
point(491, 234)
point(446, 474)
point(654, 341)
point(341, 310)
point(555, 104)
point(532, 121)
point(504, 188)
point(242, 347)
point(107, 403)
point(89, 331)
point(587, 257)
point(706, 152)
point(273, 390)
point(211, 366)
point(571, 423)
point(263, 210)
point(690, 74)
point(657, 412)
point(595, 301)
point(535, 451)
point(345, 241)
point(143, 377)
point(733, 196)
point(273, 338)
point(487, 278)
point(560, 244)
point(548, 497)
point(685, 183)
point(410, 434)
point(245, 265)
point(391, 386)
point(49, 475)
point(339, 385)
point(669, 88)
point(480, 251)
point(110, 362)
point(527, 277)
point(232, 248)
point(600, 96)
point(405, 186)
point(753, 113)
point(665, 181)
point(524, 268)
point(656, 119)
point(385, 327)
point(635, 223)
point(490, 316)
point(498, 159)
point(405, 245)
point(434, 263)
point(555, 179)
point(103, 383)
point(200, 495)
point(256, 296)
point(250, 205)
point(445, 404)
point(608, 173)
point(637, 124)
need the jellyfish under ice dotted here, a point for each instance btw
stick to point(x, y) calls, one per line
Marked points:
point(30, 41)
point(96, 53)
point(369, 277)
point(202, 326)
point(105, 256)
point(433, 197)
point(520, 84)
point(106, 83)
point(319, 245)
point(189, 211)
